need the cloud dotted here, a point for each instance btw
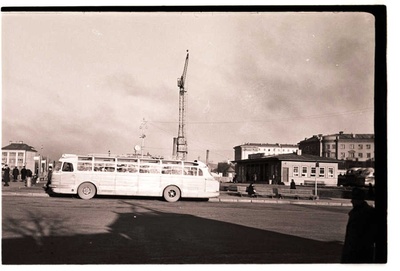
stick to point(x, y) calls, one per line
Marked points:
point(84, 82)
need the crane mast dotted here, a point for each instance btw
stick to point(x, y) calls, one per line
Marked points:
point(181, 142)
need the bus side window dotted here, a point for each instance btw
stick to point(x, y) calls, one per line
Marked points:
point(190, 171)
point(67, 167)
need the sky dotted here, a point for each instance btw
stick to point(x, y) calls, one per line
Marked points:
point(84, 82)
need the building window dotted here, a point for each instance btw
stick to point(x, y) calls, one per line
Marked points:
point(351, 146)
point(360, 155)
point(351, 154)
point(321, 172)
point(342, 155)
point(368, 146)
point(304, 172)
point(313, 172)
point(360, 146)
point(333, 146)
point(328, 146)
point(330, 172)
point(295, 171)
point(368, 155)
point(342, 146)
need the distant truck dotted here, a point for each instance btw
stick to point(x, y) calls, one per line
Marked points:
point(357, 177)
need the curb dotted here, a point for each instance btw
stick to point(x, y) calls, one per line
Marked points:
point(25, 194)
point(315, 202)
point(219, 199)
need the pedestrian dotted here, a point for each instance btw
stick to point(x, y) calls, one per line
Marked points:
point(292, 184)
point(28, 179)
point(359, 244)
point(6, 176)
point(251, 190)
point(15, 174)
point(49, 175)
point(23, 174)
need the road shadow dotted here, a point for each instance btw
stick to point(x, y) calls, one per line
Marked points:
point(146, 236)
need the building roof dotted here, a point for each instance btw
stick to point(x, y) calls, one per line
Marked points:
point(293, 157)
point(356, 136)
point(19, 147)
point(266, 145)
point(341, 135)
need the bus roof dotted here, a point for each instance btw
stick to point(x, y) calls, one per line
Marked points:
point(69, 155)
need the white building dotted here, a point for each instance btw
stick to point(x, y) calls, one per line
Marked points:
point(19, 154)
point(246, 150)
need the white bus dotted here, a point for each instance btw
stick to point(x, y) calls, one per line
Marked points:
point(90, 175)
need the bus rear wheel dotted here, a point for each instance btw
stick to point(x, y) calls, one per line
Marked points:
point(86, 191)
point(172, 193)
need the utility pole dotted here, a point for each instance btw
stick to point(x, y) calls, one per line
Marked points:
point(142, 127)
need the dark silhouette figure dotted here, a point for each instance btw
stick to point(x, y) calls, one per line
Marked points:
point(23, 174)
point(49, 175)
point(371, 194)
point(251, 190)
point(359, 244)
point(15, 173)
point(6, 175)
point(292, 184)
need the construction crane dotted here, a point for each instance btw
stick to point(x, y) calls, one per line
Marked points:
point(181, 143)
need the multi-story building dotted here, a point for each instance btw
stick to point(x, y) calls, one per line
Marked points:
point(247, 150)
point(354, 149)
point(19, 154)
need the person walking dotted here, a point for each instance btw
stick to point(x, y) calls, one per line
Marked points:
point(23, 174)
point(6, 175)
point(292, 184)
point(361, 230)
point(15, 173)
point(49, 175)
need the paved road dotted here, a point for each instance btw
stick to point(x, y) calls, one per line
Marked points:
point(66, 230)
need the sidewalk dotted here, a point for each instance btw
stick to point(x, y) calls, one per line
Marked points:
point(19, 189)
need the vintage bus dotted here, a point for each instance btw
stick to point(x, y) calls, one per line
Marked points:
point(90, 175)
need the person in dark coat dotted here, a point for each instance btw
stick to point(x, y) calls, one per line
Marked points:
point(23, 174)
point(359, 244)
point(292, 184)
point(15, 173)
point(6, 175)
point(49, 175)
point(251, 190)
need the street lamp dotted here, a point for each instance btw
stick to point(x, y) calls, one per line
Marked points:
point(316, 185)
point(142, 127)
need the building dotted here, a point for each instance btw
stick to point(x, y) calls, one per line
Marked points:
point(352, 149)
point(244, 151)
point(19, 154)
point(304, 169)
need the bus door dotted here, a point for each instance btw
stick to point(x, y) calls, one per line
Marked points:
point(126, 179)
point(68, 176)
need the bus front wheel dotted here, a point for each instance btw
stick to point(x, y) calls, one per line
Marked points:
point(86, 191)
point(172, 193)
